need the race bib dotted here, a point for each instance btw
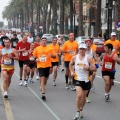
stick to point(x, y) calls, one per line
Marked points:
point(25, 54)
point(108, 65)
point(42, 58)
point(31, 58)
point(7, 61)
point(14, 43)
point(72, 53)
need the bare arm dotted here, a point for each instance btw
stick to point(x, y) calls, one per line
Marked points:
point(71, 65)
point(92, 67)
point(95, 57)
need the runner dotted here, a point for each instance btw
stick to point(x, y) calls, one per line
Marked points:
point(36, 44)
point(0, 62)
point(22, 48)
point(7, 55)
point(92, 54)
point(43, 56)
point(61, 41)
point(55, 61)
point(31, 64)
point(83, 64)
point(115, 44)
point(107, 61)
point(69, 49)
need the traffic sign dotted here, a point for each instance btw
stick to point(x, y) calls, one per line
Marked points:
point(118, 23)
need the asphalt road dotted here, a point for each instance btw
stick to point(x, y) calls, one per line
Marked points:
point(25, 103)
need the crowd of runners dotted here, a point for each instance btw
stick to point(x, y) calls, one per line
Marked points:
point(39, 58)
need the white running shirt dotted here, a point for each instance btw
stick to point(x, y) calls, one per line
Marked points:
point(80, 74)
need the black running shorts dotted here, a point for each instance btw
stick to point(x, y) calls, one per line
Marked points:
point(21, 63)
point(54, 64)
point(44, 72)
point(84, 85)
point(67, 64)
point(108, 73)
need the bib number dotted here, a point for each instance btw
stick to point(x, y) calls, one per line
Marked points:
point(25, 53)
point(42, 58)
point(7, 61)
point(108, 65)
point(14, 43)
point(31, 58)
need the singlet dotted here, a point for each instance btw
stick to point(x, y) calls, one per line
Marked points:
point(31, 58)
point(90, 54)
point(109, 63)
point(6, 62)
point(80, 74)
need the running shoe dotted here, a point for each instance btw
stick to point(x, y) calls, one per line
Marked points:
point(92, 88)
point(43, 97)
point(87, 100)
point(62, 70)
point(54, 84)
point(37, 77)
point(73, 88)
point(107, 97)
point(21, 83)
point(81, 114)
point(31, 81)
point(5, 95)
point(25, 83)
point(77, 116)
point(67, 86)
point(27, 78)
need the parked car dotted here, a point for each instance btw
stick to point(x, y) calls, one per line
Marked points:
point(81, 39)
point(48, 36)
point(100, 45)
point(65, 36)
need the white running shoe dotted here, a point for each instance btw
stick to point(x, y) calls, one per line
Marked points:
point(54, 84)
point(37, 77)
point(25, 83)
point(21, 83)
point(5, 95)
point(77, 116)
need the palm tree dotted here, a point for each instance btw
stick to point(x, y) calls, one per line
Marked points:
point(80, 32)
point(117, 14)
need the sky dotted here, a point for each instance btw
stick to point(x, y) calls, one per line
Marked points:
point(3, 3)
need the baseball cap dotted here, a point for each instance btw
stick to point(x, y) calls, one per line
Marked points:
point(88, 40)
point(83, 46)
point(113, 33)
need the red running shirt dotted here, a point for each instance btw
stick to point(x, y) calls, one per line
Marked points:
point(23, 55)
point(109, 63)
point(36, 44)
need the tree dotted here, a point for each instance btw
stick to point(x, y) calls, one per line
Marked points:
point(1, 24)
point(80, 29)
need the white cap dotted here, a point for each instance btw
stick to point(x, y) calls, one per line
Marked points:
point(83, 46)
point(113, 33)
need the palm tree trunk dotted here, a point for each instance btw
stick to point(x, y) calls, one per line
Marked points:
point(98, 18)
point(61, 16)
point(55, 16)
point(71, 15)
point(117, 15)
point(80, 29)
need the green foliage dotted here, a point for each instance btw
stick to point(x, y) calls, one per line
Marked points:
point(1, 23)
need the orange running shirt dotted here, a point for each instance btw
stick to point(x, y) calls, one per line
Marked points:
point(68, 45)
point(56, 49)
point(114, 43)
point(93, 47)
point(43, 55)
